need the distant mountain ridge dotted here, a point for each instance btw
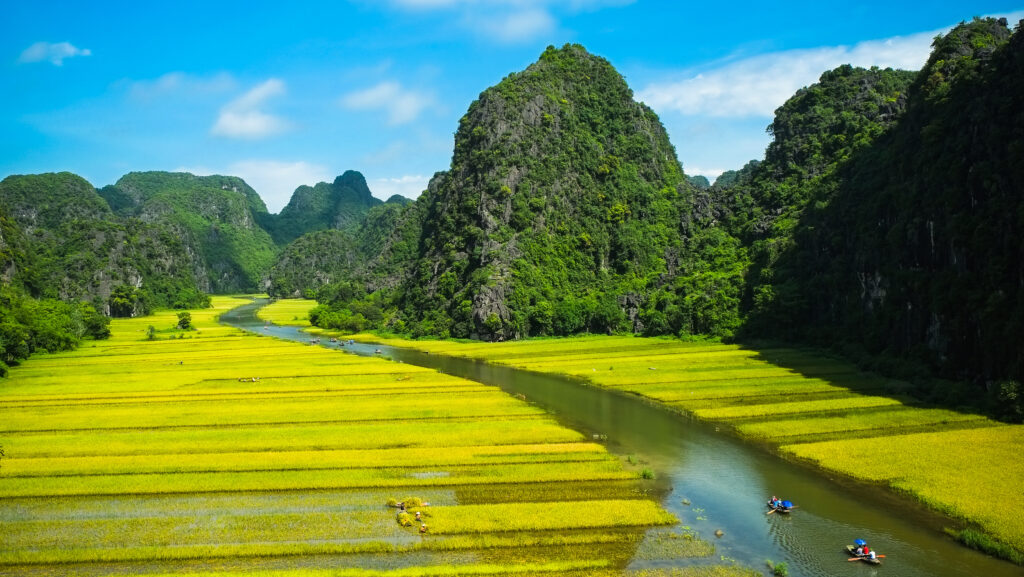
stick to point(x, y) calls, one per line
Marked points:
point(166, 236)
point(340, 205)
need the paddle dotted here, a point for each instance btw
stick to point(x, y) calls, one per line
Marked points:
point(863, 558)
point(770, 512)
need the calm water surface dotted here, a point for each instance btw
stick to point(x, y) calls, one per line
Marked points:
point(725, 480)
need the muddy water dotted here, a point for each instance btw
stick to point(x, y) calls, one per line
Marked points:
point(718, 482)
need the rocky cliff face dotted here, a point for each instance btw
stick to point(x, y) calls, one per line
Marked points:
point(563, 210)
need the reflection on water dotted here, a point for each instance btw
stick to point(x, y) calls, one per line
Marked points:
point(713, 481)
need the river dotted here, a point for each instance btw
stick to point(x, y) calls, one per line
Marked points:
point(725, 480)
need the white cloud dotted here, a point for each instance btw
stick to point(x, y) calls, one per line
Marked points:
point(274, 180)
point(710, 173)
point(756, 86)
point(508, 21)
point(516, 26)
point(173, 82)
point(401, 105)
point(243, 117)
point(409, 186)
point(55, 53)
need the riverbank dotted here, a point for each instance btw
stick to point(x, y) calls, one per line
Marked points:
point(807, 407)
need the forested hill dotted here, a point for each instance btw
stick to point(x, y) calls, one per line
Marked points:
point(63, 242)
point(339, 205)
point(156, 239)
point(217, 217)
point(913, 250)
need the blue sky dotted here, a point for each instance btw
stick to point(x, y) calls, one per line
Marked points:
point(287, 94)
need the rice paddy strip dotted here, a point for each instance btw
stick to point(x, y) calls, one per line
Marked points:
point(952, 471)
point(288, 312)
point(254, 438)
point(345, 526)
point(878, 422)
point(257, 411)
point(289, 480)
point(520, 542)
point(784, 408)
point(215, 444)
point(803, 403)
point(546, 516)
point(323, 459)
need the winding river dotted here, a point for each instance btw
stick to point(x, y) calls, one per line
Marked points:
point(725, 480)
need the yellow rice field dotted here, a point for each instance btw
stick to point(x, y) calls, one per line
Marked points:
point(288, 312)
point(213, 451)
point(806, 406)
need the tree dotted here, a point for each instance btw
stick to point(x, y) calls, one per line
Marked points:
point(185, 320)
point(122, 301)
point(151, 333)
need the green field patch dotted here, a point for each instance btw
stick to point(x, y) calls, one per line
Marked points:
point(292, 410)
point(878, 422)
point(543, 492)
point(508, 430)
point(304, 460)
point(209, 504)
point(800, 407)
point(546, 516)
point(149, 483)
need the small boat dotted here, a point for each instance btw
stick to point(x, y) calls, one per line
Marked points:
point(785, 508)
point(852, 551)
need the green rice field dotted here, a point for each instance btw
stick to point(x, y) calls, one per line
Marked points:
point(805, 406)
point(216, 452)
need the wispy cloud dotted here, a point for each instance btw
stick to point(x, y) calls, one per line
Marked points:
point(519, 25)
point(401, 105)
point(55, 53)
point(274, 180)
point(409, 186)
point(175, 82)
point(244, 117)
point(756, 86)
point(508, 21)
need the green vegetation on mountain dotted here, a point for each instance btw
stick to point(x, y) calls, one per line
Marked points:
point(699, 182)
point(217, 217)
point(339, 205)
point(374, 253)
point(564, 210)
point(63, 242)
point(910, 250)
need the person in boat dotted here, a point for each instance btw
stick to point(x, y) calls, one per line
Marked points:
point(423, 528)
point(862, 547)
point(775, 503)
